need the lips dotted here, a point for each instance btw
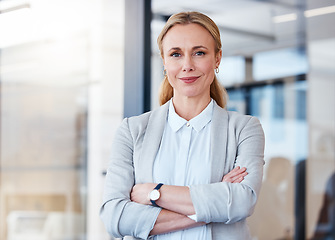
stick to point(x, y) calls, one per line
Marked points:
point(189, 79)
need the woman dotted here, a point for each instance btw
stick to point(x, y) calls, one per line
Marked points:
point(189, 169)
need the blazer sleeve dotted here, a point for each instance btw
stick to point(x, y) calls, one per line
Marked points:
point(120, 215)
point(231, 202)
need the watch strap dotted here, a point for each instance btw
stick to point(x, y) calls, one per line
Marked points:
point(158, 186)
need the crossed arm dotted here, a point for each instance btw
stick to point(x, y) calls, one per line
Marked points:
point(176, 203)
point(225, 202)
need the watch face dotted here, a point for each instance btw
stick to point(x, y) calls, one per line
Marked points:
point(154, 195)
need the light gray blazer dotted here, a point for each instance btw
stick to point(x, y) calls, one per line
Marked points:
point(236, 140)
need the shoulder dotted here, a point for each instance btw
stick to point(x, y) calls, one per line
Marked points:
point(240, 120)
point(245, 126)
point(139, 119)
point(236, 121)
point(135, 125)
point(138, 124)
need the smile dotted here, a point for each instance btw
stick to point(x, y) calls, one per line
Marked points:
point(189, 79)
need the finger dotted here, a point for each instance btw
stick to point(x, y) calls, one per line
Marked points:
point(235, 169)
point(241, 170)
point(235, 172)
point(239, 178)
point(235, 178)
point(243, 174)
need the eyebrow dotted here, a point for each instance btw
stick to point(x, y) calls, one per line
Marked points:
point(197, 47)
point(194, 48)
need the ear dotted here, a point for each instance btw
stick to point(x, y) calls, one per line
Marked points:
point(218, 58)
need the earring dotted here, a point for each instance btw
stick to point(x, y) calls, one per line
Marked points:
point(164, 72)
point(217, 70)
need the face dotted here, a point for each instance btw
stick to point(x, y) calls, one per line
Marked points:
point(189, 59)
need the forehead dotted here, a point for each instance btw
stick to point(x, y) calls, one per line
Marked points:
point(184, 35)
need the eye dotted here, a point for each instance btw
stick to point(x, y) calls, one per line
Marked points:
point(175, 54)
point(200, 53)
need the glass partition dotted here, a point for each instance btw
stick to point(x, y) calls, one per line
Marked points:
point(43, 117)
point(281, 108)
point(61, 90)
point(43, 140)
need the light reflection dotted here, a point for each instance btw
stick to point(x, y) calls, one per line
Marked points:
point(16, 27)
point(41, 20)
point(308, 13)
point(285, 18)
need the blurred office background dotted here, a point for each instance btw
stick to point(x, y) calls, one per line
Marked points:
point(71, 70)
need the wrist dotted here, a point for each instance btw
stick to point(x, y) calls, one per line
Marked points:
point(155, 194)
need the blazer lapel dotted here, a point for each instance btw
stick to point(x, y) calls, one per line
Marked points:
point(219, 133)
point(152, 140)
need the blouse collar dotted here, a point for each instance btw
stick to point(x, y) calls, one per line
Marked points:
point(198, 122)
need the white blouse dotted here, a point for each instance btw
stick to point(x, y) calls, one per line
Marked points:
point(183, 159)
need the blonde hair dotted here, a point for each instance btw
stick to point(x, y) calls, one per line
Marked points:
point(217, 91)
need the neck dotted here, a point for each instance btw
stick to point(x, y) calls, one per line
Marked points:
point(189, 108)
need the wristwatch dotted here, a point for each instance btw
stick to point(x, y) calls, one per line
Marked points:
point(155, 194)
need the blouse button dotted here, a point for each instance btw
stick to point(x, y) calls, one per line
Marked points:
point(188, 124)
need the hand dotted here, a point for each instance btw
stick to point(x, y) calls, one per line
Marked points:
point(140, 193)
point(236, 175)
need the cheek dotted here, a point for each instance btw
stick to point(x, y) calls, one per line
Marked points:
point(207, 68)
point(209, 65)
point(170, 72)
point(172, 69)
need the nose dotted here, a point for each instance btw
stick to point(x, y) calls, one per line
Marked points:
point(188, 64)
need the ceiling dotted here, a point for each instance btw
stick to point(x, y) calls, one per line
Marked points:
point(249, 26)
